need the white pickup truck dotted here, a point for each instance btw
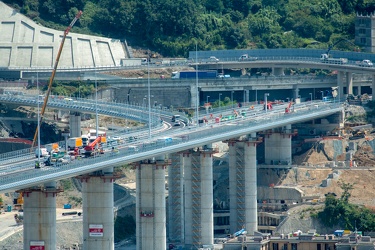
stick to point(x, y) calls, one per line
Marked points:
point(246, 57)
point(365, 63)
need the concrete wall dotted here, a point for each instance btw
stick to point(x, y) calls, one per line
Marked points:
point(11, 146)
point(23, 43)
point(276, 194)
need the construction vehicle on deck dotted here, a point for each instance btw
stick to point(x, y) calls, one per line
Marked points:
point(288, 109)
point(93, 148)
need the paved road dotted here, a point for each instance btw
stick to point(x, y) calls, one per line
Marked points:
point(8, 225)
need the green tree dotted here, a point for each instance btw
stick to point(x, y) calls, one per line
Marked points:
point(346, 188)
point(266, 21)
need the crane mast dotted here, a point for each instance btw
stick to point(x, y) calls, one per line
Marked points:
point(54, 72)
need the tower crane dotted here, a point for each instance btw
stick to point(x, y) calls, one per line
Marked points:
point(54, 72)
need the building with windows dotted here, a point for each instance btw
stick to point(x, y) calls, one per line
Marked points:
point(300, 241)
point(365, 32)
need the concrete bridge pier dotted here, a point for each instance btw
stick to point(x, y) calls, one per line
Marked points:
point(278, 146)
point(373, 85)
point(198, 175)
point(243, 184)
point(349, 83)
point(194, 96)
point(296, 93)
point(278, 71)
point(340, 83)
point(39, 217)
point(250, 157)
point(75, 124)
point(98, 215)
point(246, 96)
point(176, 216)
point(151, 204)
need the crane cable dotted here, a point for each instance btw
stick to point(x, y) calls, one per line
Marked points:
point(53, 74)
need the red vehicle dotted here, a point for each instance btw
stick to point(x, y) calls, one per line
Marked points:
point(90, 149)
point(287, 110)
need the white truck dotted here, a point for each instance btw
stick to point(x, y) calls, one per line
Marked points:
point(75, 142)
point(246, 57)
point(326, 58)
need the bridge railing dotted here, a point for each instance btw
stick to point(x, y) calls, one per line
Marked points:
point(113, 109)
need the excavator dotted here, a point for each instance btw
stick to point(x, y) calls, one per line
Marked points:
point(53, 74)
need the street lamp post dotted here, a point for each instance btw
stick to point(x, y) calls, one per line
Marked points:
point(37, 88)
point(96, 106)
point(265, 100)
point(231, 98)
point(196, 83)
point(149, 97)
point(207, 104)
point(219, 99)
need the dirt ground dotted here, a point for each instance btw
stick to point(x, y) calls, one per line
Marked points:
point(166, 72)
point(361, 174)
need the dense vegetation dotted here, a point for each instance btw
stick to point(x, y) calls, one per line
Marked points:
point(173, 27)
point(339, 212)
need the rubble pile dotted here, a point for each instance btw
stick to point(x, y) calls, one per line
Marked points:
point(364, 156)
point(355, 114)
point(154, 73)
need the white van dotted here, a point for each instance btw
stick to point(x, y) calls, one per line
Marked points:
point(43, 152)
point(176, 118)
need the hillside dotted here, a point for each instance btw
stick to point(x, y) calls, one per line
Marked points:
point(172, 28)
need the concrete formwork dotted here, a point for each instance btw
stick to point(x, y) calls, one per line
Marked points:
point(175, 199)
point(207, 213)
point(188, 201)
point(243, 185)
point(98, 215)
point(250, 156)
point(198, 177)
point(232, 188)
point(151, 205)
point(39, 217)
